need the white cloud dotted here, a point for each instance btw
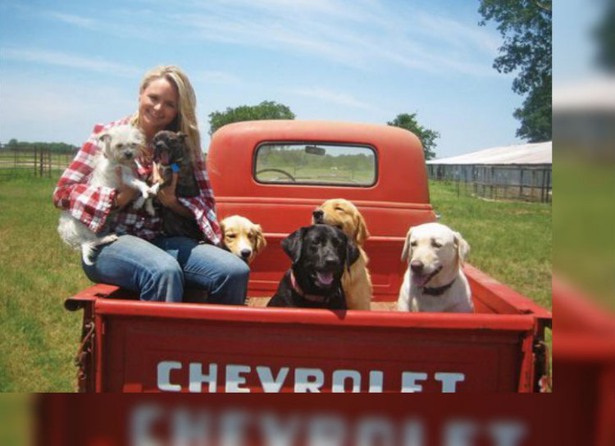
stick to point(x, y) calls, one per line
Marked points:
point(331, 97)
point(57, 58)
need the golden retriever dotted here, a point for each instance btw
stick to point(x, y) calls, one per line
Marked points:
point(242, 237)
point(434, 279)
point(356, 281)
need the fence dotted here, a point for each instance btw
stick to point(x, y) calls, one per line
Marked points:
point(499, 181)
point(37, 162)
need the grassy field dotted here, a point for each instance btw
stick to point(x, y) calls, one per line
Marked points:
point(511, 241)
point(38, 338)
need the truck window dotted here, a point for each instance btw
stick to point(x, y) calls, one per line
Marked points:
point(315, 163)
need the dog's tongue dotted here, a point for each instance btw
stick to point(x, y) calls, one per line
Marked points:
point(325, 278)
point(421, 280)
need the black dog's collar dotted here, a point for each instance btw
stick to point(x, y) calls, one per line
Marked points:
point(311, 297)
point(439, 290)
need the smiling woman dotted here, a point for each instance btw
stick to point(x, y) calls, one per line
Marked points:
point(144, 258)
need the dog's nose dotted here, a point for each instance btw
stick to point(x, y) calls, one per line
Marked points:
point(245, 253)
point(417, 266)
point(128, 155)
point(318, 215)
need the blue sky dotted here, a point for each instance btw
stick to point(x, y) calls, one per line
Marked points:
point(67, 65)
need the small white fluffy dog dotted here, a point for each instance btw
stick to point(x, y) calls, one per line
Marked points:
point(121, 145)
point(434, 280)
point(242, 237)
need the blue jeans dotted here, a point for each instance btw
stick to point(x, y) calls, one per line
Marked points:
point(162, 269)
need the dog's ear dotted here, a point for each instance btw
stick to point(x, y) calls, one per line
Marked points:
point(182, 136)
point(362, 233)
point(405, 252)
point(352, 252)
point(292, 244)
point(261, 242)
point(463, 248)
point(105, 139)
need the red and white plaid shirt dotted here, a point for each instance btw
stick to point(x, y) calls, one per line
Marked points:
point(92, 205)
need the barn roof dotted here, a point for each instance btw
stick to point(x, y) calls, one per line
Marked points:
point(537, 153)
point(597, 94)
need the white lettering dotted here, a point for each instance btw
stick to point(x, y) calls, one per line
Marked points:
point(339, 381)
point(188, 429)
point(241, 378)
point(507, 433)
point(449, 381)
point(375, 431)
point(197, 378)
point(164, 376)
point(326, 431)
point(460, 433)
point(376, 381)
point(234, 425)
point(277, 433)
point(308, 380)
point(141, 425)
point(268, 382)
point(413, 433)
point(409, 382)
point(159, 424)
point(234, 380)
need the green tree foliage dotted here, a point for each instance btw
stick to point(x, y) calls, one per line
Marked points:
point(428, 137)
point(264, 110)
point(526, 27)
point(604, 34)
point(56, 147)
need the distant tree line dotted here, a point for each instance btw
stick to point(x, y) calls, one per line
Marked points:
point(23, 146)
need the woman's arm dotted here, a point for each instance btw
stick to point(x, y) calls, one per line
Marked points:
point(203, 206)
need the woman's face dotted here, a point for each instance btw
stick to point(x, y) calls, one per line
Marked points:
point(158, 106)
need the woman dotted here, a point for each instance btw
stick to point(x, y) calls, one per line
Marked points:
point(143, 259)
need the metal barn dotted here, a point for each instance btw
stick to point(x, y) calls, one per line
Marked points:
point(516, 172)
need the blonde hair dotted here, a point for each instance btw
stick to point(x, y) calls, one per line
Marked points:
point(185, 121)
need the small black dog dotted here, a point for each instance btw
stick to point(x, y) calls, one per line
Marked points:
point(171, 155)
point(320, 253)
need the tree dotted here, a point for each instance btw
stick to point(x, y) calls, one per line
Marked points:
point(264, 110)
point(427, 137)
point(605, 37)
point(526, 27)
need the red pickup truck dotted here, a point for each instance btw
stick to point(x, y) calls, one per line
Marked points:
point(276, 173)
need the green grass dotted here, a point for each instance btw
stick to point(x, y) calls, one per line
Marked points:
point(585, 249)
point(39, 337)
point(510, 241)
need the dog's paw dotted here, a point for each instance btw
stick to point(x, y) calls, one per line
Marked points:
point(153, 190)
point(138, 203)
point(149, 207)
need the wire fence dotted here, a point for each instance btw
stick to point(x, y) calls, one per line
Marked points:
point(35, 163)
point(498, 182)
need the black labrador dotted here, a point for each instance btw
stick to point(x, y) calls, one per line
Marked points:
point(319, 254)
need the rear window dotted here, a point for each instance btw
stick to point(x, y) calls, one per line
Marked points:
point(310, 163)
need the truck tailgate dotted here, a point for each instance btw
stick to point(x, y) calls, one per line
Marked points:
point(150, 347)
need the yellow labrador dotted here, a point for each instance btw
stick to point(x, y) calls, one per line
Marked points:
point(356, 282)
point(242, 237)
point(434, 280)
